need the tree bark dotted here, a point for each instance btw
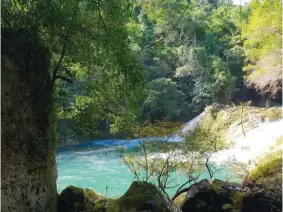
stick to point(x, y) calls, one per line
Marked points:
point(180, 192)
point(28, 164)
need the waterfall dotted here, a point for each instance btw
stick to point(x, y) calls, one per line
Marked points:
point(257, 141)
point(192, 124)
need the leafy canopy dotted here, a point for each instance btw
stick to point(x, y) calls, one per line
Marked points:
point(89, 44)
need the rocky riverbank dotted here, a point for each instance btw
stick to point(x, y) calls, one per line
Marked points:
point(209, 196)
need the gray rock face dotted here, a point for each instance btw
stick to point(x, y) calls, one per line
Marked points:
point(28, 178)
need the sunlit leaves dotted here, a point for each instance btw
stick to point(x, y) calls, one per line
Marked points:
point(263, 45)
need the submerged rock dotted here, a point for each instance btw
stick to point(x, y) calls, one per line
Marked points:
point(74, 199)
point(142, 197)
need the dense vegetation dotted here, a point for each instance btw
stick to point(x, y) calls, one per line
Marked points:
point(194, 53)
point(133, 68)
point(89, 47)
point(155, 60)
point(263, 45)
point(151, 60)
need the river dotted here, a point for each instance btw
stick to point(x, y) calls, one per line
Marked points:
point(97, 165)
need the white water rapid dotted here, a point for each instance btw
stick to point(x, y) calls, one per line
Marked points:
point(246, 148)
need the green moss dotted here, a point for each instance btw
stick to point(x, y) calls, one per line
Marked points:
point(216, 187)
point(180, 199)
point(90, 194)
point(268, 171)
point(138, 196)
point(237, 199)
point(273, 113)
point(99, 202)
point(74, 199)
point(221, 120)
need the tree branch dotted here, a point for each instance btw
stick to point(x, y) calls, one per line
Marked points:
point(57, 67)
point(63, 78)
point(208, 167)
point(66, 39)
point(179, 193)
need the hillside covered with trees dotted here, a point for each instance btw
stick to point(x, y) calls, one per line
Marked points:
point(190, 55)
point(74, 71)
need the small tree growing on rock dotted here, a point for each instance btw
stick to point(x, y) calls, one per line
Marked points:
point(156, 157)
point(200, 147)
point(205, 143)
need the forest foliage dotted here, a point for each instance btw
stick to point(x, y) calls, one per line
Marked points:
point(263, 46)
point(121, 62)
point(89, 48)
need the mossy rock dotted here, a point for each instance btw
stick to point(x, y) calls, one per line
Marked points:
point(206, 196)
point(74, 199)
point(141, 196)
point(262, 200)
point(180, 199)
point(268, 172)
point(71, 199)
point(216, 195)
point(273, 113)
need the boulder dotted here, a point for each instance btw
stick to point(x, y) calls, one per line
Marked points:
point(142, 197)
point(71, 199)
point(262, 200)
point(208, 196)
point(218, 195)
point(74, 199)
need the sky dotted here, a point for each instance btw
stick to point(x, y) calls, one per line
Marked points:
point(237, 2)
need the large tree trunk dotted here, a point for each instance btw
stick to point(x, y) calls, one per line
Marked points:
point(28, 165)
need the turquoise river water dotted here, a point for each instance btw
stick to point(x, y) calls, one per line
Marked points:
point(97, 165)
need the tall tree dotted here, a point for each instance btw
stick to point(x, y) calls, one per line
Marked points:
point(47, 41)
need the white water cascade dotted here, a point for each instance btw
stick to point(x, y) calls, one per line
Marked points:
point(246, 148)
